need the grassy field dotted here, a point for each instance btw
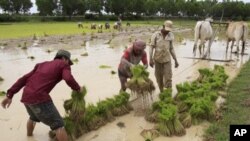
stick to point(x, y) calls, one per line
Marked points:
point(237, 111)
point(28, 29)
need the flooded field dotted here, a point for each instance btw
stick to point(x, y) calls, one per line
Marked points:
point(100, 83)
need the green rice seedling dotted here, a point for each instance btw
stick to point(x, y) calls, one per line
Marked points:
point(83, 43)
point(156, 106)
point(212, 95)
point(149, 134)
point(140, 83)
point(19, 45)
point(2, 93)
point(163, 129)
point(182, 107)
point(31, 57)
point(113, 72)
point(1, 79)
point(75, 106)
point(104, 110)
point(185, 119)
point(5, 44)
point(166, 95)
point(70, 127)
point(168, 112)
point(24, 48)
point(45, 34)
point(202, 108)
point(182, 96)
point(91, 118)
point(108, 41)
point(152, 116)
point(49, 50)
point(104, 67)
point(68, 105)
point(34, 37)
point(178, 127)
point(204, 74)
point(85, 54)
point(75, 60)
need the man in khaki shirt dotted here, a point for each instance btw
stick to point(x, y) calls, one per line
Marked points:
point(160, 52)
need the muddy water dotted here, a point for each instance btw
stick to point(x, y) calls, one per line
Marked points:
point(100, 83)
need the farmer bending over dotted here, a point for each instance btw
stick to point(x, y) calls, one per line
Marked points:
point(132, 56)
point(37, 85)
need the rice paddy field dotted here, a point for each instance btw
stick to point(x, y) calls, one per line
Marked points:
point(96, 57)
point(29, 29)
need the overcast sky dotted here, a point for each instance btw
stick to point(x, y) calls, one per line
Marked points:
point(34, 8)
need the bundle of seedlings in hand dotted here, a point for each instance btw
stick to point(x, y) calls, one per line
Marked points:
point(140, 82)
point(75, 108)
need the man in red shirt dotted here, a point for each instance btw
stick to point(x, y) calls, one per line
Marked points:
point(37, 85)
point(132, 56)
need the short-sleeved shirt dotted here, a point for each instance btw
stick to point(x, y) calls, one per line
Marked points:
point(162, 46)
point(132, 58)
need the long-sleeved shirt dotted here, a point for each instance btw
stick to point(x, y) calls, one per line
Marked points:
point(41, 80)
point(129, 58)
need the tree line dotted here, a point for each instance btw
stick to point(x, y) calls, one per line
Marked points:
point(232, 9)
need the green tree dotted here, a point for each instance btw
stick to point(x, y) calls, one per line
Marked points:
point(26, 5)
point(5, 5)
point(95, 5)
point(151, 7)
point(46, 7)
point(70, 7)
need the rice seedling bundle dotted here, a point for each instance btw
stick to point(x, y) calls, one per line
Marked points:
point(140, 82)
point(149, 134)
point(195, 101)
point(200, 95)
point(75, 108)
point(141, 86)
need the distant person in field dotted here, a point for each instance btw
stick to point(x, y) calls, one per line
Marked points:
point(79, 25)
point(132, 56)
point(37, 85)
point(160, 52)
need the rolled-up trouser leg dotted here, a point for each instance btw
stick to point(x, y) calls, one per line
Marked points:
point(159, 75)
point(167, 74)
